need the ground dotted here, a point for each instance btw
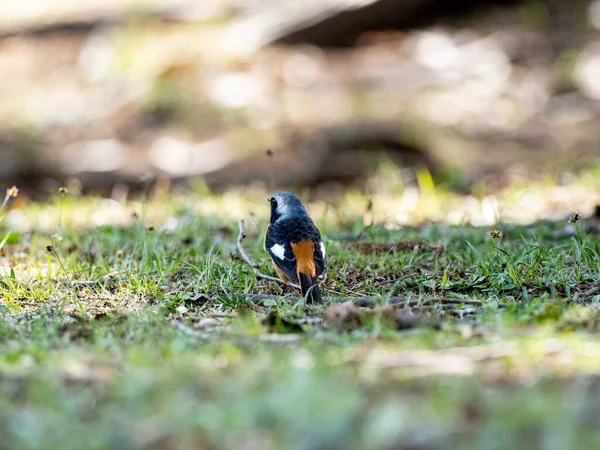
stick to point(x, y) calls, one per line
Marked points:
point(138, 325)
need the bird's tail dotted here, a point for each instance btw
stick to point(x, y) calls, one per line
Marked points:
point(310, 288)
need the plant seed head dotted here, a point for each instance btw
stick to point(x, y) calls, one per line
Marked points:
point(12, 192)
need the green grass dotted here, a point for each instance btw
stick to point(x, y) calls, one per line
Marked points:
point(144, 336)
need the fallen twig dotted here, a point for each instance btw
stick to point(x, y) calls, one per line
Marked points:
point(270, 337)
point(252, 264)
point(375, 300)
point(386, 247)
point(381, 283)
point(586, 294)
point(240, 246)
point(194, 333)
point(109, 277)
point(552, 354)
point(408, 301)
point(456, 361)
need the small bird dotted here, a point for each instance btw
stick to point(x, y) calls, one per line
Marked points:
point(295, 245)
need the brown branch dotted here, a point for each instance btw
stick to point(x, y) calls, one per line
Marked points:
point(270, 337)
point(250, 261)
point(375, 300)
point(408, 301)
point(240, 246)
point(194, 333)
point(381, 283)
point(585, 294)
point(386, 247)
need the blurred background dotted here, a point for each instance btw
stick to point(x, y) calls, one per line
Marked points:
point(474, 97)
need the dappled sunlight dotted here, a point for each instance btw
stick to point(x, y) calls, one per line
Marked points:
point(156, 293)
point(523, 203)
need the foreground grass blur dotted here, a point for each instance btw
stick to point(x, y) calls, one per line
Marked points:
point(134, 326)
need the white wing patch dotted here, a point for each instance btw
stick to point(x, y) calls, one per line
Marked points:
point(279, 251)
point(323, 249)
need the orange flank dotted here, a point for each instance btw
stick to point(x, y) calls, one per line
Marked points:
point(304, 251)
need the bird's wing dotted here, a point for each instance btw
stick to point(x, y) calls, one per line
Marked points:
point(281, 253)
point(320, 257)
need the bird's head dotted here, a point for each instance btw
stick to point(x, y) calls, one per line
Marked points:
point(286, 205)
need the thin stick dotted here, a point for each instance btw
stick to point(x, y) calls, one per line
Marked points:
point(271, 337)
point(250, 261)
point(585, 294)
point(372, 301)
point(194, 333)
point(381, 283)
point(407, 301)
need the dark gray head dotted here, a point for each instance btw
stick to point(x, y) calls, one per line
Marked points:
point(285, 205)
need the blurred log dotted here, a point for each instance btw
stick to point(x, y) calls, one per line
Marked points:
point(345, 153)
point(342, 153)
point(331, 23)
point(82, 26)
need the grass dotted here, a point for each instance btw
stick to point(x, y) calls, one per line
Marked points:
point(143, 334)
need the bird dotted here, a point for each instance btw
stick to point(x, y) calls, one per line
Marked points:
point(295, 245)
